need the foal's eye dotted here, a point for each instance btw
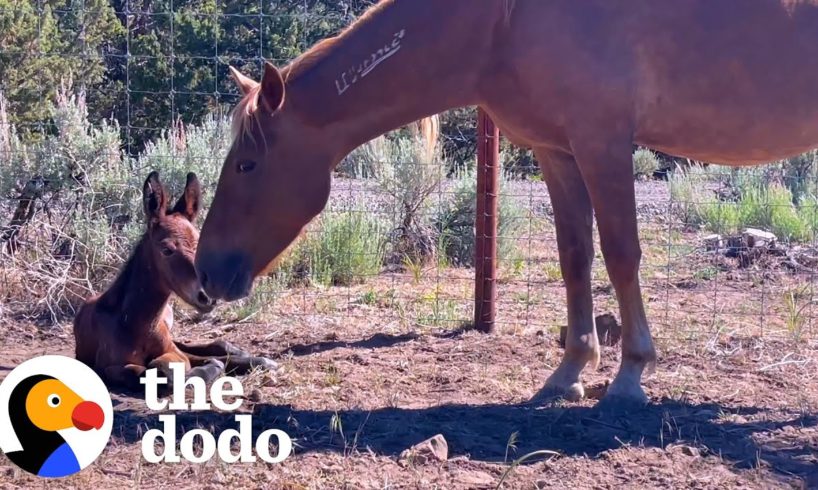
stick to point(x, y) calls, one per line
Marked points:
point(167, 252)
point(245, 166)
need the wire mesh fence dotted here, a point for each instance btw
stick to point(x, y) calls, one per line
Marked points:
point(96, 94)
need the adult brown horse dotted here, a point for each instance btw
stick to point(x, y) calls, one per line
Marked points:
point(126, 330)
point(581, 82)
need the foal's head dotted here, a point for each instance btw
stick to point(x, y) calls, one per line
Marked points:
point(171, 239)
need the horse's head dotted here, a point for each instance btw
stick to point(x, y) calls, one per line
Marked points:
point(275, 179)
point(171, 238)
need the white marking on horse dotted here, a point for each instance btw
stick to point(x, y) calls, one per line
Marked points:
point(370, 63)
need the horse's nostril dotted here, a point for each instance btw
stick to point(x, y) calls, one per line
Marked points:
point(203, 298)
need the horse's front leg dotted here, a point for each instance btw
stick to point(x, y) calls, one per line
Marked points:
point(573, 219)
point(607, 167)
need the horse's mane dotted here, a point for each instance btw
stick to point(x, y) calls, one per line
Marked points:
point(244, 113)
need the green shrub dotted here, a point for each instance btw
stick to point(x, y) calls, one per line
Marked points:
point(342, 248)
point(455, 223)
point(645, 163)
point(800, 175)
point(182, 149)
point(752, 199)
point(408, 170)
point(85, 192)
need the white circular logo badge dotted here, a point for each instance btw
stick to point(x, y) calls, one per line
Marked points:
point(55, 416)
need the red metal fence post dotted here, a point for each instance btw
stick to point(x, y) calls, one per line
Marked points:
point(485, 260)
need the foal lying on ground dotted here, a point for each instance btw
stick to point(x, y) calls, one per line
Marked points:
point(126, 330)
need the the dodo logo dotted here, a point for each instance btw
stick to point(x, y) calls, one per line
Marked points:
point(55, 416)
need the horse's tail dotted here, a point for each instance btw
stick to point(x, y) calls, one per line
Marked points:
point(428, 130)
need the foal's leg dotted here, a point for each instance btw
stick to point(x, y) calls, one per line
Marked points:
point(126, 376)
point(211, 349)
point(236, 364)
point(574, 219)
point(607, 168)
point(235, 360)
point(208, 370)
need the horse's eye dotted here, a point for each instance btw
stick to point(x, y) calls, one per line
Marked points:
point(167, 252)
point(245, 166)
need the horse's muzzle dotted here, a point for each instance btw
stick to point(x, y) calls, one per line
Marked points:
point(228, 277)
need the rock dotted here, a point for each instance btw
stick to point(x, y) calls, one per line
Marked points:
point(757, 238)
point(433, 449)
point(477, 479)
point(608, 331)
point(597, 391)
point(691, 451)
point(713, 242)
point(735, 246)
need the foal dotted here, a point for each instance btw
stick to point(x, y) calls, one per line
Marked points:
point(126, 330)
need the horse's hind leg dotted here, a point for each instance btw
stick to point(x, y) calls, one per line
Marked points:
point(573, 217)
point(217, 348)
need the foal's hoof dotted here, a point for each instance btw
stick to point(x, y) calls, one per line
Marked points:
point(266, 364)
point(551, 393)
point(208, 371)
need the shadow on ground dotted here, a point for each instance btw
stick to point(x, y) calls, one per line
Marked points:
point(377, 341)
point(482, 431)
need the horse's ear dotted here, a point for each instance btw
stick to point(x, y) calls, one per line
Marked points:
point(189, 204)
point(271, 95)
point(245, 84)
point(154, 199)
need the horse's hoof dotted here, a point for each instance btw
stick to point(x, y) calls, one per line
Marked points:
point(550, 393)
point(623, 398)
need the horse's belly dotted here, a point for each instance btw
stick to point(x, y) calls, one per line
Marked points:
point(712, 85)
point(744, 133)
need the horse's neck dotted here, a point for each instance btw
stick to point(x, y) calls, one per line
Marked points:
point(404, 61)
point(137, 296)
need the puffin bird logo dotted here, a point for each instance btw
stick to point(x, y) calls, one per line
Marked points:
point(51, 421)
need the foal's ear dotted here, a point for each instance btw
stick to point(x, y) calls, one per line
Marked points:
point(154, 199)
point(188, 205)
point(271, 95)
point(245, 84)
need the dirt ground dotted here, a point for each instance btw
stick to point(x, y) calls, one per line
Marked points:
point(372, 369)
